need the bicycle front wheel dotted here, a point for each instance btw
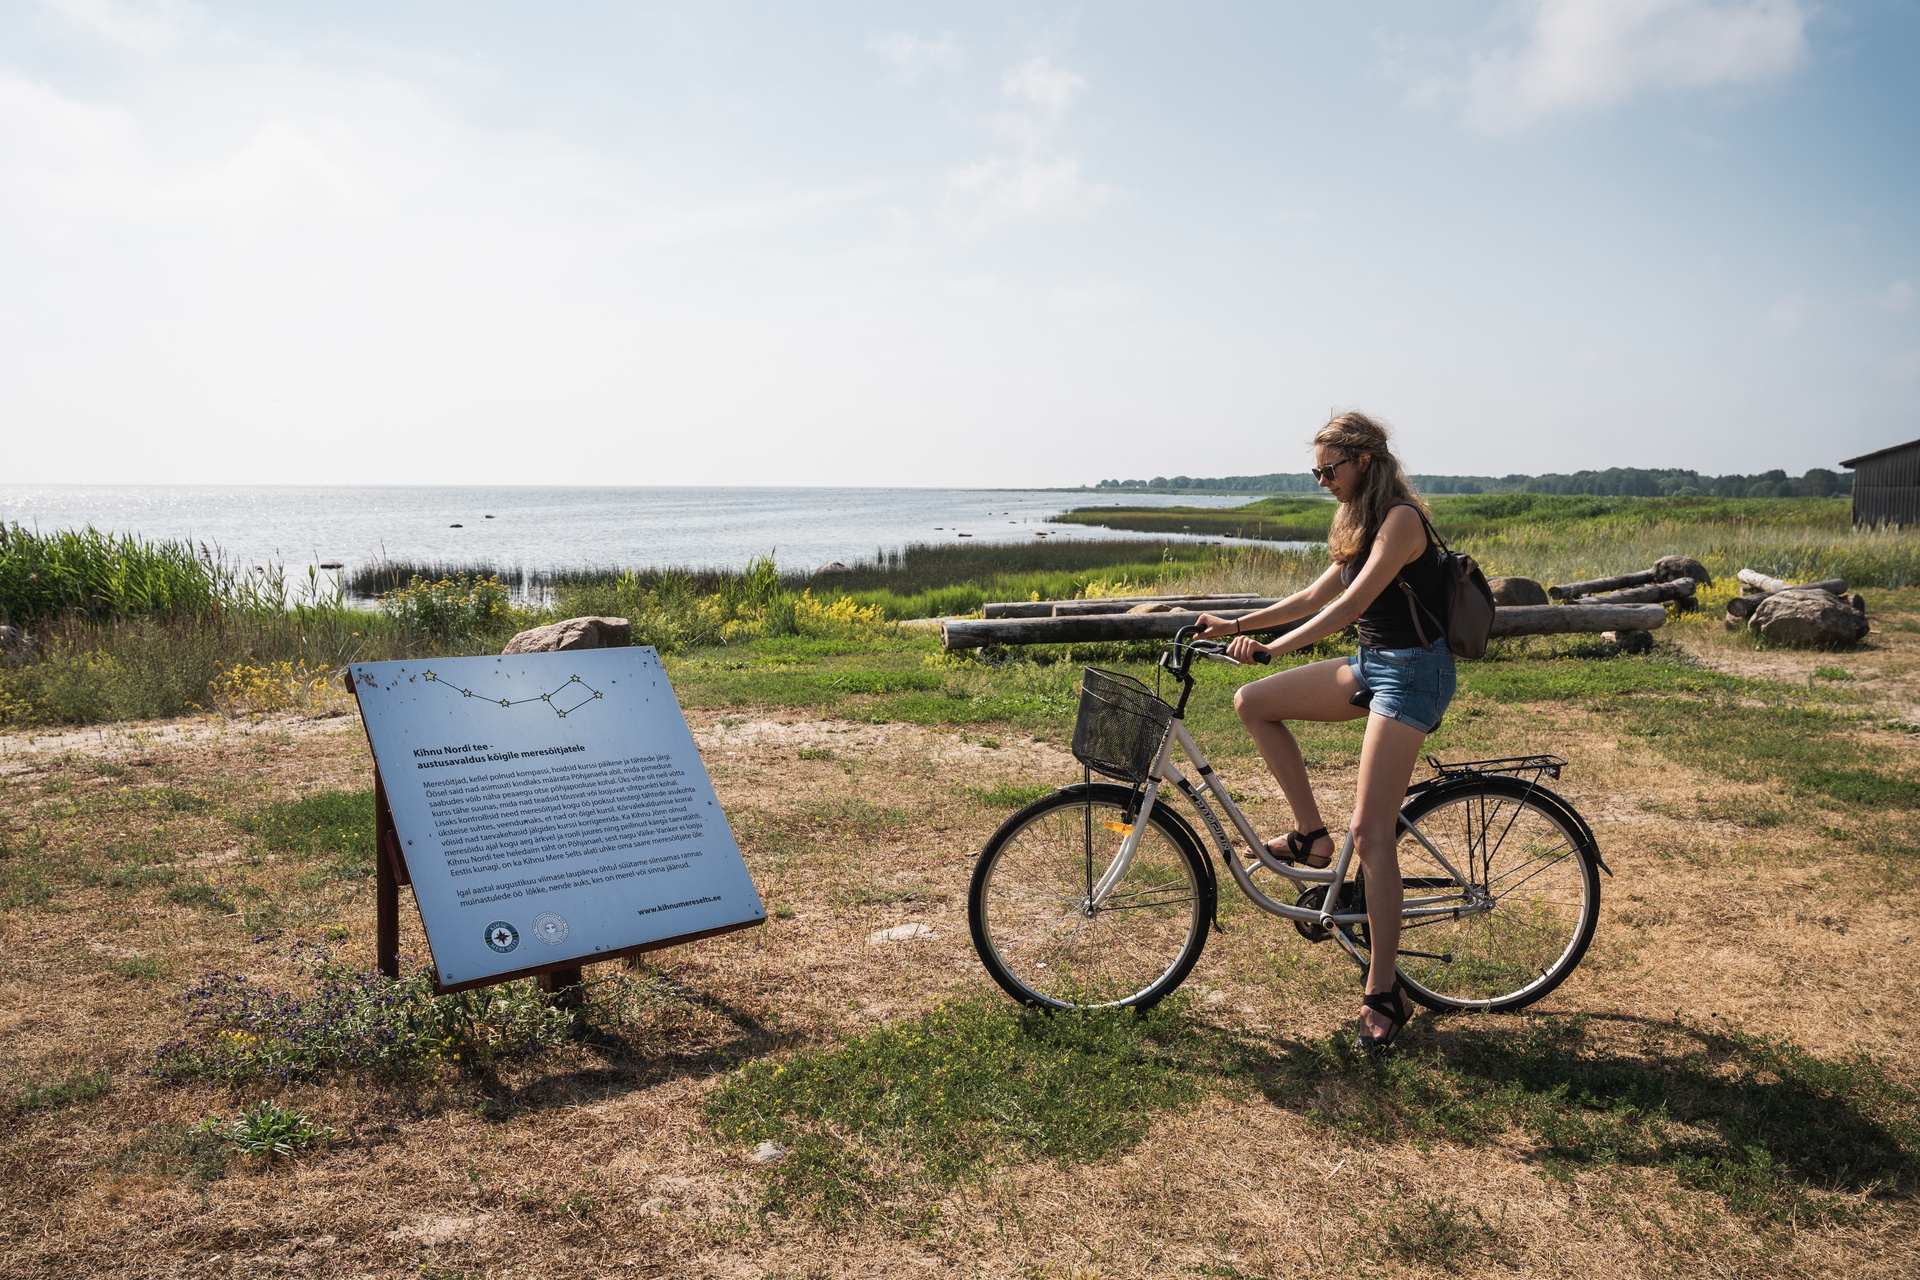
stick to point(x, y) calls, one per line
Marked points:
point(1043, 937)
point(1534, 882)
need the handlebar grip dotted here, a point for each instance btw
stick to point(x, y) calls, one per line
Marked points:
point(1262, 658)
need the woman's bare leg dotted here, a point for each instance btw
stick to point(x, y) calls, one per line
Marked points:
point(1320, 691)
point(1387, 757)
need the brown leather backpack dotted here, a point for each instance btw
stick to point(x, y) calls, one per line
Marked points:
point(1469, 600)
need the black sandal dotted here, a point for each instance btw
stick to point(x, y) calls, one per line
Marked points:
point(1392, 1005)
point(1298, 845)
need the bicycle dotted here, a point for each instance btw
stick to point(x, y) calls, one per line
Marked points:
point(1101, 895)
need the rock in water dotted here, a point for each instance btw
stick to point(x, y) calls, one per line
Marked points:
point(1809, 619)
point(1667, 568)
point(573, 633)
point(1513, 591)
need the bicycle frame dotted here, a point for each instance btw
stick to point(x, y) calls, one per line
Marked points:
point(1465, 902)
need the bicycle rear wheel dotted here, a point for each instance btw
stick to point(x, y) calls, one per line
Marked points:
point(1033, 922)
point(1521, 848)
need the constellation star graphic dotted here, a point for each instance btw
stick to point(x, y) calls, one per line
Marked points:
point(566, 693)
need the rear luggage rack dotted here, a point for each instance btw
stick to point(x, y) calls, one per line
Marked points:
point(1532, 765)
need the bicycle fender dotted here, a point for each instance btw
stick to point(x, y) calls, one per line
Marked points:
point(1179, 820)
point(1206, 854)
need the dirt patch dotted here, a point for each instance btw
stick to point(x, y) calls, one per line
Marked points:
point(1883, 670)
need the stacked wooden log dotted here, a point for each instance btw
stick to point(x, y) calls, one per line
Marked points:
point(1089, 628)
point(1672, 580)
point(1626, 609)
point(1122, 604)
point(1821, 615)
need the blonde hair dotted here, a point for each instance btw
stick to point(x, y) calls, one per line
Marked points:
point(1383, 484)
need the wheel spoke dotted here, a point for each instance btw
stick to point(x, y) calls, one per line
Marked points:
point(1029, 908)
point(1544, 901)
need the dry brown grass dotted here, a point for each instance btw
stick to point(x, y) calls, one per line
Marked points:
point(596, 1163)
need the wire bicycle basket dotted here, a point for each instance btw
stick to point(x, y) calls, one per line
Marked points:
point(1120, 727)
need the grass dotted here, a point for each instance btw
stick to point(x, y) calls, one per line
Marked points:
point(952, 1094)
point(66, 1091)
point(1439, 1232)
point(922, 1118)
point(268, 1130)
point(334, 825)
point(348, 1020)
point(1563, 538)
point(253, 645)
point(97, 575)
point(1810, 749)
point(1776, 1133)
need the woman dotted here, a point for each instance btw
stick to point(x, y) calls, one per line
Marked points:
point(1386, 565)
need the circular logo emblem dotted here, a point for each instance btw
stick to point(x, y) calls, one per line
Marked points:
point(550, 927)
point(502, 937)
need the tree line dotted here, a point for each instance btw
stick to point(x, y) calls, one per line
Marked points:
point(1630, 482)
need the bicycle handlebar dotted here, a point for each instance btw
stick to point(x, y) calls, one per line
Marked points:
point(1213, 648)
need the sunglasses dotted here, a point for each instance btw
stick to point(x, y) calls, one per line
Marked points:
point(1323, 474)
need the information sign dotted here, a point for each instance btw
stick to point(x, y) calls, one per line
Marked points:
point(550, 808)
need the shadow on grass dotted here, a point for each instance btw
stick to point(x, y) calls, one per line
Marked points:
point(1777, 1132)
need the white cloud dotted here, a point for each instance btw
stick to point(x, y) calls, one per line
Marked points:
point(1040, 179)
point(1897, 297)
point(145, 26)
point(1590, 54)
point(1093, 295)
point(245, 254)
point(912, 57)
point(1786, 316)
point(1046, 86)
point(1002, 188)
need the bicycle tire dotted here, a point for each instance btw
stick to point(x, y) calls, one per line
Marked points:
point(1027, 903)
point(1528, 850)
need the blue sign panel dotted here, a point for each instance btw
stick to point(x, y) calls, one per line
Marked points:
point(552, 808)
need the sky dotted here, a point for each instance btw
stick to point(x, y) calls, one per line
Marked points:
point(949, 244)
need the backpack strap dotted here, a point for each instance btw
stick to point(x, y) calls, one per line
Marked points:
point(1414, 605)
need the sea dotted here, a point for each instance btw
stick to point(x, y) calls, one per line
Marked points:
point(539, 530)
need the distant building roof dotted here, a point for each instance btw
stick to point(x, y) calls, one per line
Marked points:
point(1868, 457)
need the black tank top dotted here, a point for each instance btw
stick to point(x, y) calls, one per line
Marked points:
point(1388, 620)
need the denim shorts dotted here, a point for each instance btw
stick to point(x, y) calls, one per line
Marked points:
point(1412, 686)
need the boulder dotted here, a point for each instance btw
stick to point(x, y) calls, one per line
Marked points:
point(1667, 568)
point(1809, 619)
point(573, 633)
point(1514, 591)
point(15, 645)
point(1630, 641)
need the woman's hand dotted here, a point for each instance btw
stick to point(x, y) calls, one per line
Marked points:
point(1213, 626)
point(1246, 649)
point(1242, 648)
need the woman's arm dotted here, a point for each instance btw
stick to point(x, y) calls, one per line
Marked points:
point(1300, 604)
point(1401, 538)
